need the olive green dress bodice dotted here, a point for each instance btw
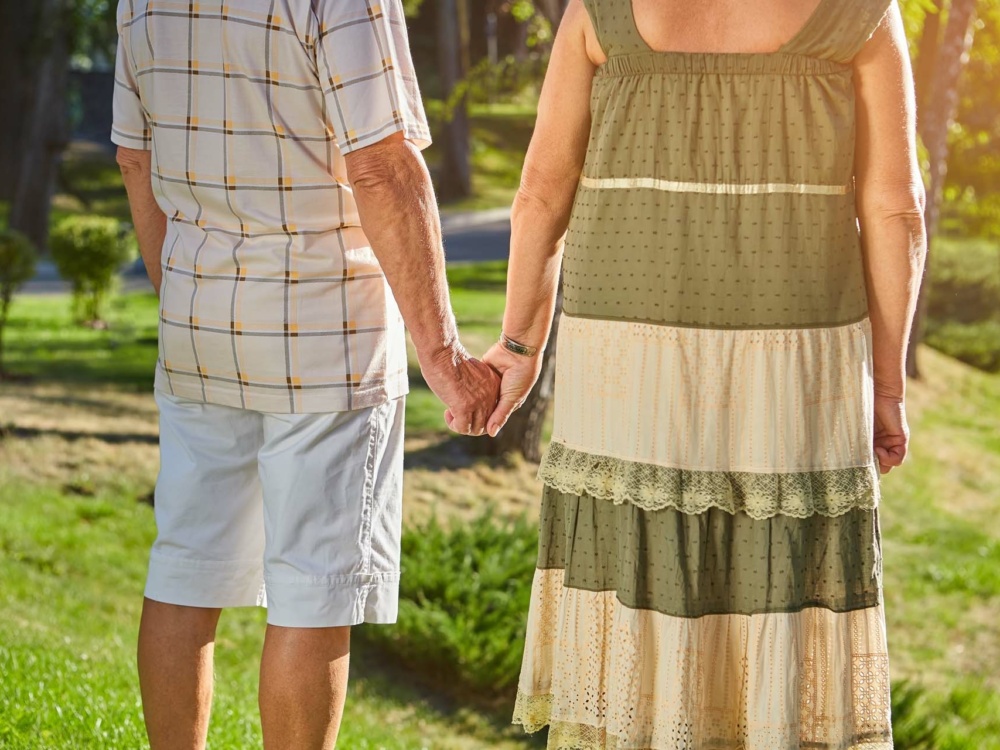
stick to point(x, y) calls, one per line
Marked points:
point(754, 224)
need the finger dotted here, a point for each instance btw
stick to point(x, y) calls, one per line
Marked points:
point(461, 421)
point(501, 414)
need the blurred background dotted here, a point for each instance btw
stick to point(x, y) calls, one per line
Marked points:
point(78, 455)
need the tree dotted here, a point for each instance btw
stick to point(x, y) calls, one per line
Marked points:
point(17, 265)
point(940, 97)
point(37, 40)
point(455, 180)
point(46, 129)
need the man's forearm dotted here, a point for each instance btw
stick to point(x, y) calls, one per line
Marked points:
point(399, 215)
point(149, 221)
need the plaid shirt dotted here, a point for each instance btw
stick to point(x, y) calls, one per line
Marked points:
point(272, 298)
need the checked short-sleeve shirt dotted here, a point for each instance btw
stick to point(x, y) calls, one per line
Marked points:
point(272, 298)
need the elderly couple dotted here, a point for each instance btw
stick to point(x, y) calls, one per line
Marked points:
point(736, 189)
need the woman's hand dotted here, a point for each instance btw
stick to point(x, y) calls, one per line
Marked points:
point(892, 434)
point(517, 377)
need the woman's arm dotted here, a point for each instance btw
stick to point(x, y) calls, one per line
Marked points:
point(890, 203)
point(541, 209)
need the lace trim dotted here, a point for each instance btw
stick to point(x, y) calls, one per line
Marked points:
point(651, 487)
point(534, 712)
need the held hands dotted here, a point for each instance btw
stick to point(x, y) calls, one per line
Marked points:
point(892, 434)
point(468, 388)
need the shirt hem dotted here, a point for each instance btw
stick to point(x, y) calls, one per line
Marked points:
point(278, 403)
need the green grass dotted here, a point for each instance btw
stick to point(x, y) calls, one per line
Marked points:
point(71, 572)
point(43, 342)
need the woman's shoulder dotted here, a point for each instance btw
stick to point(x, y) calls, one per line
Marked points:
point(838, 29)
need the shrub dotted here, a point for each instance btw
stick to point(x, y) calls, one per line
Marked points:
point(464, 598)
point(89, 252)
point(977, 344)
point(17, 265)
point(963, 302)
point(964, 281)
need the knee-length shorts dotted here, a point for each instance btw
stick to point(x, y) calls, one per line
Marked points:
point(300, 513)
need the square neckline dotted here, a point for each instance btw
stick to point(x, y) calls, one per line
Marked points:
point(784, 49)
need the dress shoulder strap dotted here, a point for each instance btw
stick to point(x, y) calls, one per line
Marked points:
point(838, 29)
point(615, 26)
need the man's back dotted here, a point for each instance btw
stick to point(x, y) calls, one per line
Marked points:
point(249, 109)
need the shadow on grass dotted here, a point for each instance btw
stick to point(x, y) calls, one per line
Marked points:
point(388, 678)
point(111, 438)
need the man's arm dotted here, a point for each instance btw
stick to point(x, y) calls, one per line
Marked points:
point(399, 216)
point(149, 221)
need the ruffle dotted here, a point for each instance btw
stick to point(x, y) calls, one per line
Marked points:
point(831, 492)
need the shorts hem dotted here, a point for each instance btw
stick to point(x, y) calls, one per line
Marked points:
point(204, 583)
point(332, 604)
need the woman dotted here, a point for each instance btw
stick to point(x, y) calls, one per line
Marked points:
point(743, 205)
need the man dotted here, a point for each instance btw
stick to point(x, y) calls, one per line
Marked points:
point(271, 155)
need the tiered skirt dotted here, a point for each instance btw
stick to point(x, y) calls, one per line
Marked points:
point(709, 568)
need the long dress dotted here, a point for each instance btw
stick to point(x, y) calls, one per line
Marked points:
point(709, 565)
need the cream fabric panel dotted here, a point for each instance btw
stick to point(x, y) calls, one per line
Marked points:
point(654, 682)
point(792, 400)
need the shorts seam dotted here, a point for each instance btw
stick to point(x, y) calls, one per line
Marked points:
point(368, 493)
point(355, 581)
point(186, 562)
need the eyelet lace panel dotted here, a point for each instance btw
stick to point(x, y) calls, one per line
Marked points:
point(762, 401)
point(650, 487)
point(608, 677)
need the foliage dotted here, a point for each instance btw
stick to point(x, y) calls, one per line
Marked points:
point(972, 190)
point(89, 252)
point(963, 302)
point(17, 265)
point(464, 594)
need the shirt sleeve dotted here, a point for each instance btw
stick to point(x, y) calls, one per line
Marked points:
point(129, 126)
point(366, 72)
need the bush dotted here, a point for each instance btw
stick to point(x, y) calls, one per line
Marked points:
point(89, 251)
point(17, 265)
point(464, 598)
point(963, 302)
point(964, 281)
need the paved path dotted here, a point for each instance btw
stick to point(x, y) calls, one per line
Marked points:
point(468, 237)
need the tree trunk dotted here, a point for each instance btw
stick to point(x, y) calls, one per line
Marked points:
point(18, 43)
point(455, 180)
point(927, 51)
point(553, 10)
point(942, 103)
point(47, 129)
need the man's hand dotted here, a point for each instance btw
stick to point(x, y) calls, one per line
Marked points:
point(518, 375)
point(892, 435)
point(468, 388)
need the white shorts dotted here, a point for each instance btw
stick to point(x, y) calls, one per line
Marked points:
point(301, 513)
